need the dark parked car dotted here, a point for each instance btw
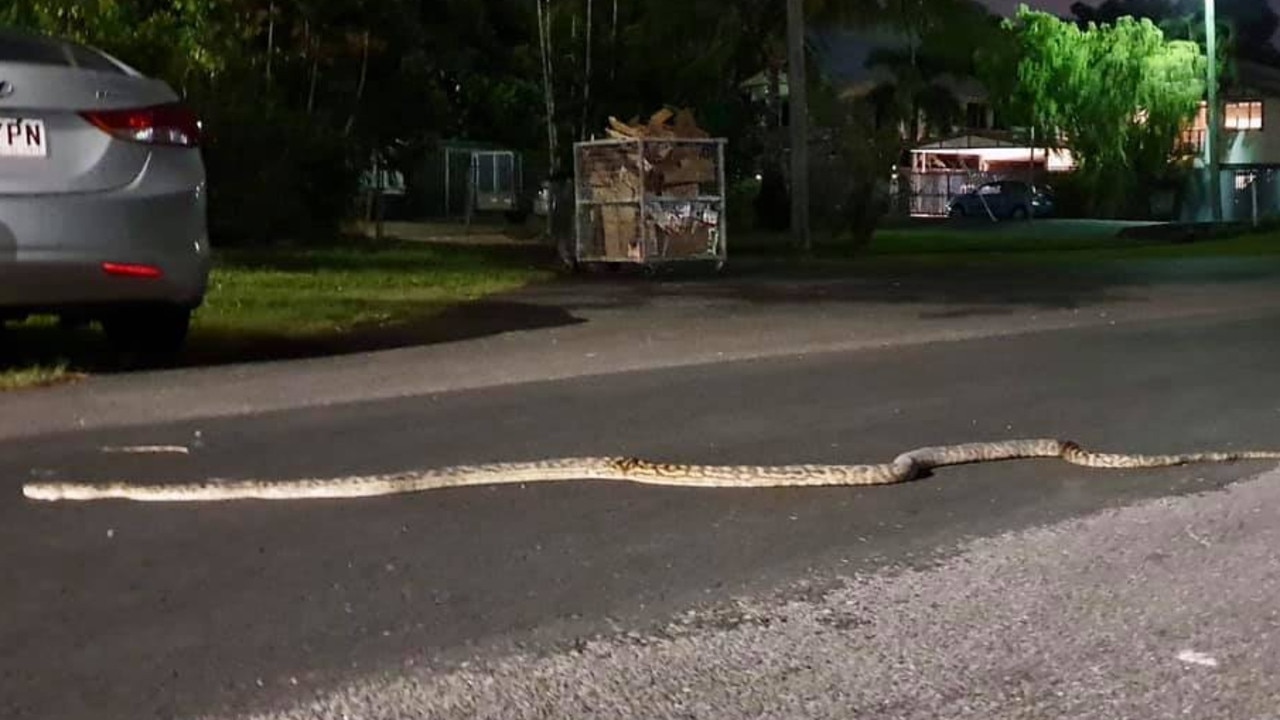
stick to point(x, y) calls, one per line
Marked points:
point(1007, 199)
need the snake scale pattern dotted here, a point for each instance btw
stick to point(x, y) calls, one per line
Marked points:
point(905, 467)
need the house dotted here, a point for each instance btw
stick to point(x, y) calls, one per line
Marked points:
point(956, 156)
point(980, 148)
point(1249, 149)
point(950, 166)
point(1249, 156)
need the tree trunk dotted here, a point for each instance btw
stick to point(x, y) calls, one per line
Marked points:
point(314, 57)
point(548, 88)
point(586, 80)
point(613, 48)
point(775, 95)
point(799, 104)
point(315, 76)
point(364, 76)
point(271, 39)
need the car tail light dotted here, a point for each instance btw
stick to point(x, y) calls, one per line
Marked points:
point(130, 270)
point(158, 125)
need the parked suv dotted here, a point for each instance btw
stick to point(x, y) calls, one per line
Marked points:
point(1007, 199)
point(102, 194)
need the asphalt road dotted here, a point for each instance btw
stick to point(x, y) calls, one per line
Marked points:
point(1081, 620)
point(115, 610)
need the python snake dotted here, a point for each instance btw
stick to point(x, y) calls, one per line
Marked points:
point(905, 467)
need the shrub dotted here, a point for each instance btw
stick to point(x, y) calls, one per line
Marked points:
point(773, 202)
point(279, 178)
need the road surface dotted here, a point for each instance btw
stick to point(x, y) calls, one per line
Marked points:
point(566, 595)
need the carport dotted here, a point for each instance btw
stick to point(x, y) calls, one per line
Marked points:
point(942, 169)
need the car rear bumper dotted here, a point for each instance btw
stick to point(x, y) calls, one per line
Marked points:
point(53, 247)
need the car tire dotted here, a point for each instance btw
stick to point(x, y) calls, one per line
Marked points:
point(157, 333)
point(956, 212)
point(1018, 213)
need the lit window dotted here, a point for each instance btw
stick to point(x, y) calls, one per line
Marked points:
point(1242, 115)
point(1244, 178)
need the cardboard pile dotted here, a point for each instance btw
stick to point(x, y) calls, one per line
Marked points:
point(667, 179)
point(662, 125)
point(612, 175)
point(672, 169)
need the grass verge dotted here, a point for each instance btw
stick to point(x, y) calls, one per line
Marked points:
point(295, 302)
point(36, 376)
point(1045, 244)
point(341, 288)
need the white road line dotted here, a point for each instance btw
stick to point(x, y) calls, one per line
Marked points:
point(148, 449)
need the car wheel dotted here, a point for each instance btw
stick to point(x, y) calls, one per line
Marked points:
point(155, 332)
point(956, 211)
point(1019, 213)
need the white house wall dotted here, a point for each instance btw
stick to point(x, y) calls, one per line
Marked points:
point(1250, 161)
point(1255, 147)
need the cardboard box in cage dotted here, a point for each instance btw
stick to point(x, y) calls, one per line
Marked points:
point(651, 194)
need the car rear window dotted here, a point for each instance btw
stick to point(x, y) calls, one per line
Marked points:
point(19, 48)
point(93, 60)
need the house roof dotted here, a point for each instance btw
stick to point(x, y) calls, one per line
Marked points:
point(974, 141)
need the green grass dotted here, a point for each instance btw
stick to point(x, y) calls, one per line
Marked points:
point(906, 242)
point(36, 376)
point(337, 289)
point(296, 302)
point(1047, 244)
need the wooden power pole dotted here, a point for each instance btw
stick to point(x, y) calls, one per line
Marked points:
point(798, 95)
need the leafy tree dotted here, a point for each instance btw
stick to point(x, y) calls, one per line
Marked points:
point(941, 39)
point(852, 189)
point(1116, 95)
point(309, 89)
point(306, 88)
point(1246, 27)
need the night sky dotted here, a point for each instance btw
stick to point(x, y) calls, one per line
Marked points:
point(1061, 8)
point(1007, 7)
point(1057, 7)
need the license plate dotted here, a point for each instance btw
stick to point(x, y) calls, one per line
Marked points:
point(23, 138)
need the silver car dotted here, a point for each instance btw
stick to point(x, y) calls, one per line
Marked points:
point(102, 195)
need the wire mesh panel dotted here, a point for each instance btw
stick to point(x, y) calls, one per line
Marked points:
point(650, 200)
point(610, 191)
point(932, 191)
point(685, 204)
point(494, 180)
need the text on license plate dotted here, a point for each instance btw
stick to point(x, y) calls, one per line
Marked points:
point(23, 138)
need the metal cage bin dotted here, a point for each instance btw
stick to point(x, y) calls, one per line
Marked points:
point(650, 201)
